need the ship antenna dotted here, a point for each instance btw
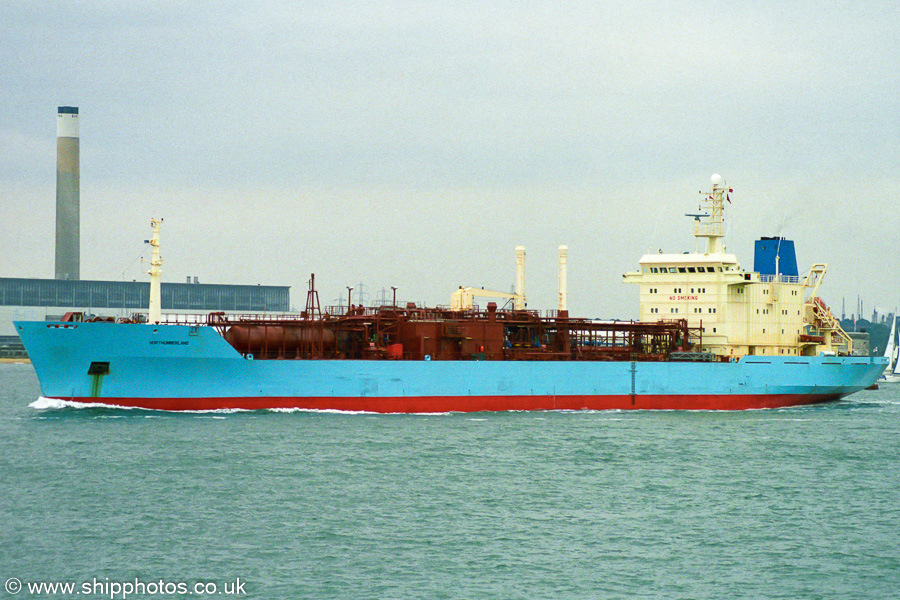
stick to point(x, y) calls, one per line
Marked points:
point(777, 257)
point(712, 229)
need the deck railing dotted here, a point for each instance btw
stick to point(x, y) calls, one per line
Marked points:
point(779, 278)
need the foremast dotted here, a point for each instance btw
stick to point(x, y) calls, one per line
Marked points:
point(155, 272)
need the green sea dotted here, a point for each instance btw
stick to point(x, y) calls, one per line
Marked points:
point(792, 503)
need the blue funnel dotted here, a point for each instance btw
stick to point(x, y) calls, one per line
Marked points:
point(767, 249)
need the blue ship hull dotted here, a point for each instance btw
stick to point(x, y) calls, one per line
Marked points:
point(180, 367)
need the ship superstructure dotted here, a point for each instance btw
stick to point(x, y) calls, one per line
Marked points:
point(737, 311)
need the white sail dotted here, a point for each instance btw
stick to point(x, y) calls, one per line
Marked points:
point(897, 361)
point(889, 347)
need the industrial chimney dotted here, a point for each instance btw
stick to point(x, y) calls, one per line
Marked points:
point(67, 195)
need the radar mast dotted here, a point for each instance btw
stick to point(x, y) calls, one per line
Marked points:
point(713, 227)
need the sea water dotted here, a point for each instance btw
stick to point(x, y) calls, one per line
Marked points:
point(790, 503)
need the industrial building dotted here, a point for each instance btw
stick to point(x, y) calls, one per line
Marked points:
point(43, 299)
point(134, 296)
point(49, 299)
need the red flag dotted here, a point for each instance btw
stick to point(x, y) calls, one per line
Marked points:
point(727, 197)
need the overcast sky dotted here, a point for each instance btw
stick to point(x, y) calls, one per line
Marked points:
point(416, 144)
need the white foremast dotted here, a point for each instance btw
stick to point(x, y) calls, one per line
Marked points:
point(155, 308)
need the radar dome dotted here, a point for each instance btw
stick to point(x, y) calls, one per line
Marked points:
point(716, 179)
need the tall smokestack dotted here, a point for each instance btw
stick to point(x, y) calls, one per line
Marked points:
point(67, 194)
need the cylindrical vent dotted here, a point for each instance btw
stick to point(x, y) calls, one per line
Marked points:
point(520, 278)
point(68, 255)
point(563, 293)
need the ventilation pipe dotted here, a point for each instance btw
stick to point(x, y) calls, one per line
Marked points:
point(563, 293)
point(520, 277)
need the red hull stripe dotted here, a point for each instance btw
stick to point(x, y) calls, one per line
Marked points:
point(443, 404)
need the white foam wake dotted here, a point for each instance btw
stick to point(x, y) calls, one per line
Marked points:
point(335, 411)
point(321, 410)
point(43, 403)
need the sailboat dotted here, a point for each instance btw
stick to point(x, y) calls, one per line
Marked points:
point(892, 353)
point(894, 376)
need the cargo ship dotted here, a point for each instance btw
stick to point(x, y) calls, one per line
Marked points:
point(711, 336)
